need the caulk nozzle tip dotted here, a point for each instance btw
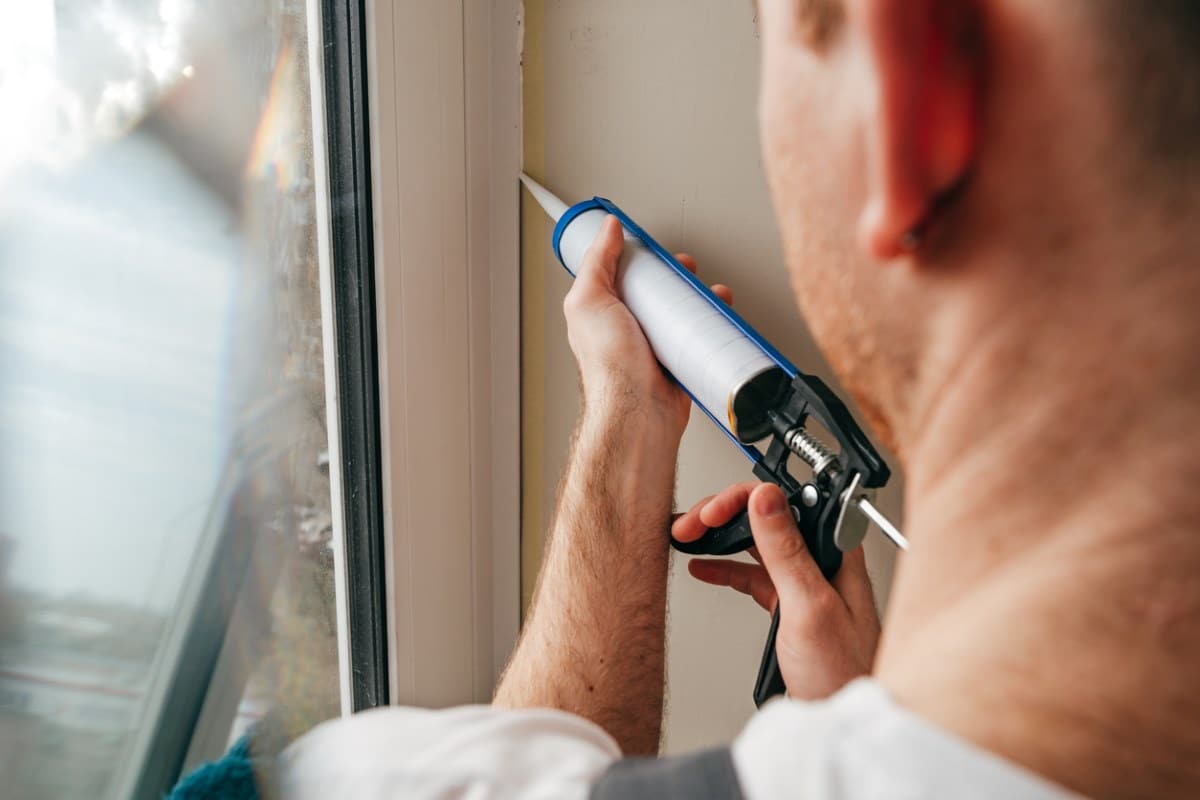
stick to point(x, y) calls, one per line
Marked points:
point(551, 204)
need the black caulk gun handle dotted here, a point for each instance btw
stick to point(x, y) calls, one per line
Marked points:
point(736, 536)
point(732, 537)
point(770, 679)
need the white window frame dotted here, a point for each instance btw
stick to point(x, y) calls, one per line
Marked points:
point(445, 151)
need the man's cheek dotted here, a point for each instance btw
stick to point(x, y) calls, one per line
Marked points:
point(791, 157)
point(782, 134)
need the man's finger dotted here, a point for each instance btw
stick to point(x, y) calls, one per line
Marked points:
point(787, 560)
point(854, 585)
point(724, 292)
point(688, 527)
point(688, 262)
point(726, 504)
point(599, 268)
point(749, 579)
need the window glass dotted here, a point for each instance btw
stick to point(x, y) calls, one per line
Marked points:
point(165, 525)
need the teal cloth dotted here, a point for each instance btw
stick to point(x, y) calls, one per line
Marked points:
point(229, 778)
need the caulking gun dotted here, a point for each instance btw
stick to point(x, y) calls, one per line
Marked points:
point(749, 390)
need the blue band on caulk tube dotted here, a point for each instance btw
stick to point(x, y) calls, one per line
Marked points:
point(566, 219)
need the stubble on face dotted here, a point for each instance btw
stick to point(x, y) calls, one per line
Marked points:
point(814, 161)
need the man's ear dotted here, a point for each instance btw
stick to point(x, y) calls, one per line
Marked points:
point(926, 62)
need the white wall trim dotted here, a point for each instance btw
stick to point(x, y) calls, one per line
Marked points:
point(493, 70)
point(445, 108)
point(320, 160)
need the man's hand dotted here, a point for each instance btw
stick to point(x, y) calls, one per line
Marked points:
point(618, 371)
point(828, 632)
point(594, 640)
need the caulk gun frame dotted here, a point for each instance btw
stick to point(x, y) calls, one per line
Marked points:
point(851, 529)
point(750, 401)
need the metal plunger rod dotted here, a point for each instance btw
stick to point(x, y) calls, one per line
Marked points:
point(883, 523)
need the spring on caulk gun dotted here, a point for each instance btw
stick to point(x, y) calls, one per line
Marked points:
point(813, 452)
point(824, 463)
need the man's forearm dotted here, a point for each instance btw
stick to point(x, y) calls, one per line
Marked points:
point(594, 640)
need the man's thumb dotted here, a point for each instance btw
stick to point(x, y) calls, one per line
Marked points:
point(780, 544)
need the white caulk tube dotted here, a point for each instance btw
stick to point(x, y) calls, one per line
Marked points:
point(732, 375)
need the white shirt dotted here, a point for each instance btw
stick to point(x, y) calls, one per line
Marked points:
point(856, 744)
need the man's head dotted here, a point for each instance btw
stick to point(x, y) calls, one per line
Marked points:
point(949, 173)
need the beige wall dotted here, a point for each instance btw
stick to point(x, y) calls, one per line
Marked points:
point(653, 106)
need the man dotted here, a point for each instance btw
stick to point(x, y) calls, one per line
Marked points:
point(986, 208)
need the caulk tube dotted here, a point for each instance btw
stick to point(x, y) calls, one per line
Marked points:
point(726, 371)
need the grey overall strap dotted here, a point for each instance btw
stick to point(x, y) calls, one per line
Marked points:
point(708, 775)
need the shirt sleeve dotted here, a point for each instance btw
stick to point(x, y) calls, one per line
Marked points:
point(860, 743)
point(475, 752)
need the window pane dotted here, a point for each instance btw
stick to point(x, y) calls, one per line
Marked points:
point(162, 397)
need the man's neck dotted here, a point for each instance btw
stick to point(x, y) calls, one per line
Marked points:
point(1050, 608)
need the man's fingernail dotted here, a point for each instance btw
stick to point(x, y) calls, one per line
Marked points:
point(769, 502)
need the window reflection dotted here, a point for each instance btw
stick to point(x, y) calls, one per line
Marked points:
point(162, 399)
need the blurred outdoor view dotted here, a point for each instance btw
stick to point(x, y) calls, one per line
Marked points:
point(162, 396)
